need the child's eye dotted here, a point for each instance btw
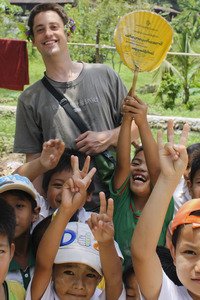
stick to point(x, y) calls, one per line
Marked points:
point(90, 275)
point(2, 251)
point(134, 164)
point(57, 186)
point(68, 272)
point(20, 206)
point(189, 252)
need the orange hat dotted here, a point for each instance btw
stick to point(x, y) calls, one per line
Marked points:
point(183, 216)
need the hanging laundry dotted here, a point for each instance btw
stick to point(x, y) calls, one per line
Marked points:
point(13, 64)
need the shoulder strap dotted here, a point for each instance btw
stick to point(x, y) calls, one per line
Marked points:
point(64, 102)
point(5, 286)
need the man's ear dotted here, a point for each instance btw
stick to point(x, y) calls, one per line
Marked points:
point(35, 214)
point(173, 254)
point(12, 251)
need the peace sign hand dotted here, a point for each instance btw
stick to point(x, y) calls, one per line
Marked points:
point(101, 224)
point(173, 157)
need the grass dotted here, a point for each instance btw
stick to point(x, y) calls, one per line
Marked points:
point(36, 71)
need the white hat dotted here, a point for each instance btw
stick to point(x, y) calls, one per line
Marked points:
point(17, 182)
point(79, 246)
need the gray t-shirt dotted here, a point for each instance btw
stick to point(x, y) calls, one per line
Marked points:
point(97, 95)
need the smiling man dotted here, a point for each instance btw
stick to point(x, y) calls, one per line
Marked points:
point(94, 90)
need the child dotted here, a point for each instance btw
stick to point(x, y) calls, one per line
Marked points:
point(182, 194)
point(194, 177)
point(8, 289)
point(55, 161)
point(72, 268)
point(130, 282)
point(19, 192)
point(131, 185)
point(153, 282)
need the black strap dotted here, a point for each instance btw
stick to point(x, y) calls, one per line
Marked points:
point(64, 102)
point(5, 286)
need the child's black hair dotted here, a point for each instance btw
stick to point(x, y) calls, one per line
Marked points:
point(7, 220)
point(128, 270)
point(64, 164)
point(195, 166)
point(193, 148)
point(177, 231)
point(40, 229)
point(23, 196)
point(137, 150)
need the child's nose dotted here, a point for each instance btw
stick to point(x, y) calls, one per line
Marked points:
point(197, 266)
point(78, 284)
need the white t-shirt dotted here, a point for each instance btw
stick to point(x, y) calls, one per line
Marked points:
point(171, 291)
point(181, 195)
point(51, 295)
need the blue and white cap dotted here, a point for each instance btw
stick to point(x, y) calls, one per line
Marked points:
point(78, 245)
point(17, 182)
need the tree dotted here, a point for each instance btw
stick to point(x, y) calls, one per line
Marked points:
point(187, 32)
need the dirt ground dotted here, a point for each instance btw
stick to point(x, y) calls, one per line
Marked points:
point(10, 162)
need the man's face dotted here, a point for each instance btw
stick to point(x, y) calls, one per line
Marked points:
point(54, 192)
point(24, 213)
point(6, 254)
point(194, 187)
point(187, 259)
point(48, 34)
point(74, 281)
point(139, 180)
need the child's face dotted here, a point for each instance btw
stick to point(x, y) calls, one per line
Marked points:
point(132, 291)
point(24, 213)
point(187, 259)
point(54, 191)
point(75, 281)
point(194, 187)
point(6, 254)
point(140, 181)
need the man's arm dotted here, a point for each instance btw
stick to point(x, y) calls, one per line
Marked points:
point(103, 230)
point(173, 161)
point(92, 142)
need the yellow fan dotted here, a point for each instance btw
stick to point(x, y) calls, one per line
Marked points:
point(142, 40)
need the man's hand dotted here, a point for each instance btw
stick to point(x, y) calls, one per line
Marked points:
point(74, 193)
point(101, 224)
point(51, 153)
point(92, 142)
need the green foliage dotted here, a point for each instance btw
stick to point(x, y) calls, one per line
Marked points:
point(8, 15)
point(96, 20)
point(7, 129)
point(168, 91)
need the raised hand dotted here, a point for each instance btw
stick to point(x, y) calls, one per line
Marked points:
point(101, 224)
point(173, 157)
point(51, 153)
point(136, 108)
point(74, 193)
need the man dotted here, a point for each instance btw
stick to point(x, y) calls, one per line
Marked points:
point(95, 91)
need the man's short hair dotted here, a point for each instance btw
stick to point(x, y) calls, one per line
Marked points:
point(7, 220)
point(42, 8)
